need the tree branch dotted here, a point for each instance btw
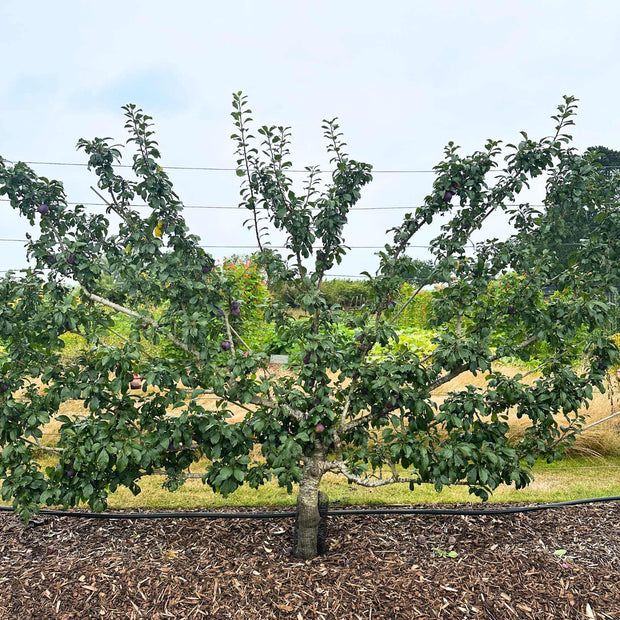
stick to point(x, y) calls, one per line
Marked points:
point(609, 417)
point(357, 422)
point(229, 334)
point(246, 162)
point(341, 468)
point(270, 404)
point(145, 319)
point(404, 306)
point(40, 446)
point(114, 206)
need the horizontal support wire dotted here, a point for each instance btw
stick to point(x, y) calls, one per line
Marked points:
point(242, 209)
point(208, 168)
point(228, 169)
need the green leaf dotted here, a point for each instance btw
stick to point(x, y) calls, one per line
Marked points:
point(121, 462)
point(103, 459)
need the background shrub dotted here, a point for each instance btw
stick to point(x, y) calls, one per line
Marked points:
point(345, 293)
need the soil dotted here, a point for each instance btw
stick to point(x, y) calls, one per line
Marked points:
point(390, 567)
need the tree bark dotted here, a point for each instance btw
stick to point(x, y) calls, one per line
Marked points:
point(308, 519)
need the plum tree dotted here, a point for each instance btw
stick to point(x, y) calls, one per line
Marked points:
point(340, 408)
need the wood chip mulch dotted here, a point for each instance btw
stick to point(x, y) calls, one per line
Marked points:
point(391, 567)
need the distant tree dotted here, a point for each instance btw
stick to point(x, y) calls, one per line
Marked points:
point(576, 219)
point(422, 272)
point(608, 158)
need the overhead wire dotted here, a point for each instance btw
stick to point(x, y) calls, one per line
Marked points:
point(229, 169)
point(241, 208)
point(208, 168)
point(275, 247)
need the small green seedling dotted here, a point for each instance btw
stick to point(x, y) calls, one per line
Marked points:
point(445, 554)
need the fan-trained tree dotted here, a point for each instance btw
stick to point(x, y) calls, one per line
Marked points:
point(340, 408)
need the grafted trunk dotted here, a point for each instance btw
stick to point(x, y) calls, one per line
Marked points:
point(311, 518)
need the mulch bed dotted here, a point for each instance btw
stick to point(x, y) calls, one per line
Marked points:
point(377, 567)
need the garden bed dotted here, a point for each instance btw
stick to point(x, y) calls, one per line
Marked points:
point(549, 564)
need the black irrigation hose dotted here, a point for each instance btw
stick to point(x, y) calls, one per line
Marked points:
point(331, 513)
point(472, 511)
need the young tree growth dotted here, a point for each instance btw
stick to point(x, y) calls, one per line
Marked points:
point(340, 409)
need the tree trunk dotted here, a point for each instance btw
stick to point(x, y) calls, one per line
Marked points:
point(310, 524)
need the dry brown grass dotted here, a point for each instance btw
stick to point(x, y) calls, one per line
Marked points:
point(603, 439)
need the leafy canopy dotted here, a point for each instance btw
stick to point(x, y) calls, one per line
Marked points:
point(339, 408)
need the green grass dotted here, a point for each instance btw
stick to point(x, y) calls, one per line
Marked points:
point(570, 479)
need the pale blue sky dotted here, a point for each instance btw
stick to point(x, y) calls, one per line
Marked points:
point(403, 77)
